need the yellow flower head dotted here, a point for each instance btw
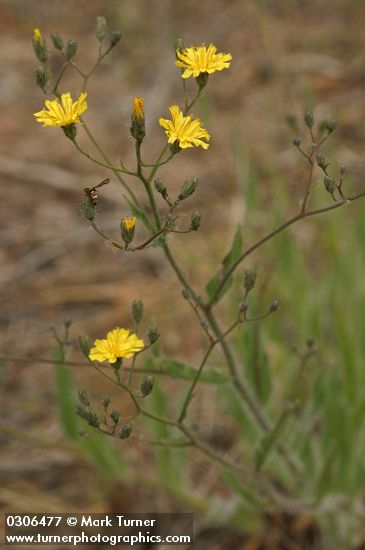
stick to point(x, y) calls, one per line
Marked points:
point(37, 35)
point(138, 112)
point(200, 60)
point(64, 113)
point(185, 130)
point(118, 343)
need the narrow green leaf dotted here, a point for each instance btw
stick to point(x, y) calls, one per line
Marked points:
point(227, 262)
point(177, 369)
point(248, 497)
point(65, 397)
point(269, 441)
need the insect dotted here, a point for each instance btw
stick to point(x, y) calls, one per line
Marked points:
point(91, 192)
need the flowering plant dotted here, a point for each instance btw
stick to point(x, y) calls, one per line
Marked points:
point(271, 476)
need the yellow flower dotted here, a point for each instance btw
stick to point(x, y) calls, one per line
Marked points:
point(185, 130)
point(37, 35)
point(138, 112)
point(64, 113)
point(200, 60)
point(119, 343)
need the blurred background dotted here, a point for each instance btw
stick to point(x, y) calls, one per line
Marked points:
point(287, 56)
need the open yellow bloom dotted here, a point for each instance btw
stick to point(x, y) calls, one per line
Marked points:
point(37, 35)
point(118, 343)
point(185, 130)
point(62, 114)
point(200, 60)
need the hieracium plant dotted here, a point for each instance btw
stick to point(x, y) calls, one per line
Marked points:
point(265, 467)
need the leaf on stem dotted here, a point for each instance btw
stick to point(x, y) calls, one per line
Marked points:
point(234, 253)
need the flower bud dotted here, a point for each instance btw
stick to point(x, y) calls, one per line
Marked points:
point(243, 307)
point(321, 160)
point(249, 279)
point(57, 40)
point(39, 46)
point(147, 385)
point(297, 141)
point(310, 342)
point(308, 118)
point(331, 126)
point(188, 188)
point(273, 306)
point(115, 36)
point(100, 29)
point(153, 334)
point(195, 221)
point(85, 345)
point(105, 401)
point(88, 207)
point(125, 432)
point(186, 294)
point(115, 415)
point(127, 227)
point(137, 311)
point(41, 77)
point(83, 397)
point(138, 129)
point(71, 49)
point(343, 169)
point(70, 131)
point(88, 414)
point(329, 184)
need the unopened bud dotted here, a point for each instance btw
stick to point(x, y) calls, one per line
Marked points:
point(310, 342)
point(100, 29)
point(127, 227)
point(147, 385)
point(329, 184)
point(138, 129)
point(273, 306)
point(160, 186)
point(41, 77)
point(321, 160)
point(186, 294)
point(153, 334)
point(297, 141)
point(249, 279)
point(343, 169)
point(85, 344)
point(115, 415)
point(243, 307)
point(88, 207)
point(309, 118)
point(88, 414)
point(188, 188)
point(57, 40)
point(195, 221)
point(105, 401)
point(39, 46)
point(83, 397)
point(71, 49)
point(137, 311)
point(331, 126)
point(115, 37)
point(125, 432)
